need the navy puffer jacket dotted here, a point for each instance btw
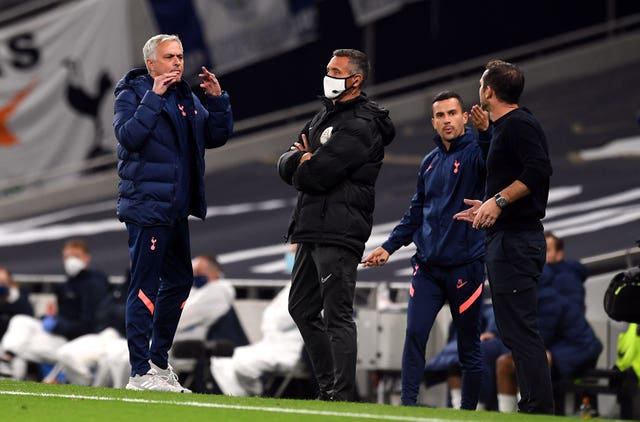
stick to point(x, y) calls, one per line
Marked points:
point(566, 332)
point(149, 155)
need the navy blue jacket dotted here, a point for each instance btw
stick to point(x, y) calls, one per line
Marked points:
point(9, 309)
point(445, 179)
point(79, 301)
point(566, 333)
point(568, 277)
point(151, 148)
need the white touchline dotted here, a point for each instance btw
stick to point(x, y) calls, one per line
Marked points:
point(232, 406)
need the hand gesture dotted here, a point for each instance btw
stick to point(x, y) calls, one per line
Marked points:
point(210, 83)
point(487, 214)
point(379, 256)
point(480, 215)
point(304, 147)
point(469, 214)
point(162, 82)
point(480, 118)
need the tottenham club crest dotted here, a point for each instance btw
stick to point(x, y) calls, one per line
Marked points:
point(326, 134)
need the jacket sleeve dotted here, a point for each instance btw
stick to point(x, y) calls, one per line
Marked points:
point(219, 120)
point(288, 164)
point(345, 151)
point(402, 234)
point(133, 122)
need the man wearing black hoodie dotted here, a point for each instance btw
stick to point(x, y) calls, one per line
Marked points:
point(334, 166)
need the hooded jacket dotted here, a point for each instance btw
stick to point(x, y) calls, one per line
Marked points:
point(336, 187)
point(445, 179)
point(152, 148)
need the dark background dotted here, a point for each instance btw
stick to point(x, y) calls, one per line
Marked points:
point(423, 35)
point(587, 111)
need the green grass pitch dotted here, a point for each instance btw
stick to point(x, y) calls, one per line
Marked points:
point(29, 401)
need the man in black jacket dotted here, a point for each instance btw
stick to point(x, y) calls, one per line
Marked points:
point(334, 167)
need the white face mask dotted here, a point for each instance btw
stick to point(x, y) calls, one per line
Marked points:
point(14, 294)
point(73, 265)
point(334, 87)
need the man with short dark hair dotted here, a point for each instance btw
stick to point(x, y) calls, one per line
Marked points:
point(334, 166)
point(518, 172)
point(567, 275)
point(448, 264)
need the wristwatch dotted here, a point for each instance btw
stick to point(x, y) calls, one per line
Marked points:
point(500, 200)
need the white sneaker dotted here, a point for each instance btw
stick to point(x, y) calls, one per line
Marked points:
point(168, 376)
point(150, 381)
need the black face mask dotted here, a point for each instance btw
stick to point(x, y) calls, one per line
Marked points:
point(199, 281)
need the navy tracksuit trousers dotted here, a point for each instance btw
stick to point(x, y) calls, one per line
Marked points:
point(431, 287)
point(161, 278)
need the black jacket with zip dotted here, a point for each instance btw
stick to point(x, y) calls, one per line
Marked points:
point(336, 187)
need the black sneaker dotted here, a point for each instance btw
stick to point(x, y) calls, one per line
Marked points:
point(324, 396)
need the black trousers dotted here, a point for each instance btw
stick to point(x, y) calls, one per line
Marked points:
point(514, 262)
point(321, 304)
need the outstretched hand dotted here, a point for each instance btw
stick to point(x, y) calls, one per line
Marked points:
point(469, 214)
point(480, 215)
point(379, 256)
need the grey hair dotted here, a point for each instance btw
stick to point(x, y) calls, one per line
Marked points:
point(149, 49)
point(358, 62)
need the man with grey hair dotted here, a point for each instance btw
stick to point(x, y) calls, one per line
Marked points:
point(162, 129)
point(334, 165)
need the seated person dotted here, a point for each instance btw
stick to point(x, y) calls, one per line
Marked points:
point(14, 300)
point(210, 298)
point(279, 349)
point(568, 276)
point(31, 339)
point(572, 346)
point(78, 359)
